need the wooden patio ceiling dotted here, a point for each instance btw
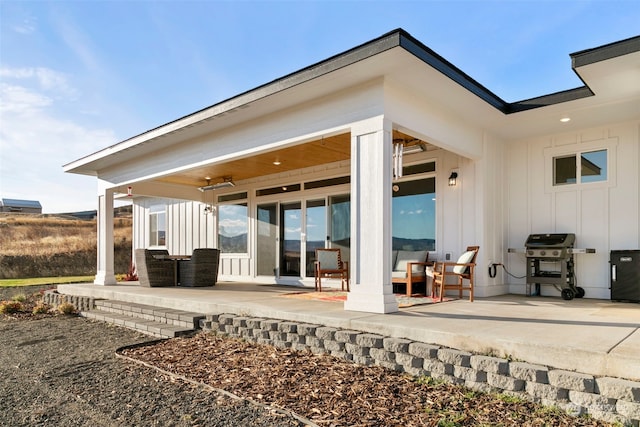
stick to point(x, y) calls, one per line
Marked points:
point(326, 150)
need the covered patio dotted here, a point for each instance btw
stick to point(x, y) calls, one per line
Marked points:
point(343, 140)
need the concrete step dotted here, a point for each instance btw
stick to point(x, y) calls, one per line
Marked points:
point(148, 327)
point(156, 321)
point(152, 313)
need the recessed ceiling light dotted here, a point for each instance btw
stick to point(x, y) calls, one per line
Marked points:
point(277, 163)
point(565, 119)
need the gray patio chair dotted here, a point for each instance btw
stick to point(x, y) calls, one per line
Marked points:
point(201, 269)
point(154, 272)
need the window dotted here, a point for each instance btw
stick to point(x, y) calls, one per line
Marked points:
point(232, 197)
point(233, 228)
point(593, 168)
point(414, 215)
point(278, 190)
point(157, 225)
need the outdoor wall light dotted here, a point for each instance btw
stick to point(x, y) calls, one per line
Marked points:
point(453, 179)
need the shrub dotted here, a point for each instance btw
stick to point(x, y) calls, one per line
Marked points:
point(19, 298)
point(8, 307)
point(67, 308)
point(41, 308)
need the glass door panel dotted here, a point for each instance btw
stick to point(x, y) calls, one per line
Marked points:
point(316, 231)
point(340, 236)
point(267, 240)
point(414, 215)
point(290, 238)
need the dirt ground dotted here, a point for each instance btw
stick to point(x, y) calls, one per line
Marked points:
point(63, 370)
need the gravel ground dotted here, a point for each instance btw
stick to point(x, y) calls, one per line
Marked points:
point(62, 371)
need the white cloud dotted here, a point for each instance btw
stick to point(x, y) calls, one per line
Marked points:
point(27, 26)
point(21, 100)
point(233, 224)
point(48, 80)
point(35, 143)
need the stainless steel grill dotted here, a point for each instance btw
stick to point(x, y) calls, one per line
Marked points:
point(550, 262)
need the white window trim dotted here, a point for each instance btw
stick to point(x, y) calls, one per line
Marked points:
point(161, 209)
point(551, 153)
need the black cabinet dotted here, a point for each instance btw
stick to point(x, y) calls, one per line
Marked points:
point(625, 275)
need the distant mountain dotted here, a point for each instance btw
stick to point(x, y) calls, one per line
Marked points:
point(233, 244)
point(238, 244)
point(403, 244)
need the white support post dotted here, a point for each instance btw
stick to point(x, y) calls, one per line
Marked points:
point(371, 180)
point(105, 271)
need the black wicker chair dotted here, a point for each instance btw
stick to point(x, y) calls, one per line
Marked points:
point(154, 272)
point(201, 269)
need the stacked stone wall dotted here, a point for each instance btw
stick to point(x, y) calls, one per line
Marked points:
point(608, 399)
point(81, 303)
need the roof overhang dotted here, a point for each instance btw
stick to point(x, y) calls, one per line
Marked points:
point(612, 91)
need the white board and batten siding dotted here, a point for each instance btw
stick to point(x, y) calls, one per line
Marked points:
point(188, 228)
point(603, 215)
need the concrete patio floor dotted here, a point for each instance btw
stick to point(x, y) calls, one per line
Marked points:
point(596, 337)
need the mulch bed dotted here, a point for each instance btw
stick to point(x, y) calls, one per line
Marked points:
point(333, 392)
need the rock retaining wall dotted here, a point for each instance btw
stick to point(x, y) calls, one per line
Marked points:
point(608, 399)
point(54, 299)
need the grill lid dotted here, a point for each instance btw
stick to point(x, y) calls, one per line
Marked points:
point(556, 240)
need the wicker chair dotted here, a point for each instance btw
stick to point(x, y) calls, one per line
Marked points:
point(201, 269)
point(154, 272)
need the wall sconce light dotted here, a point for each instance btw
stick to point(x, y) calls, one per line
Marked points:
point(129, 191)
point(453, 179)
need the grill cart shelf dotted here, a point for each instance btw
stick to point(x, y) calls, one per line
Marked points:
point(550, 262)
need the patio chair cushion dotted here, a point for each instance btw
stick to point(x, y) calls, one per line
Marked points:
point(410, 256)
point(465, 258)
point(328, 260)
point(403, 274)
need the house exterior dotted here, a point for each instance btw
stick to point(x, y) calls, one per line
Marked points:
point(20, 206)
point(356, 152)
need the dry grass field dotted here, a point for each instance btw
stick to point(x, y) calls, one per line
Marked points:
point(47, 245)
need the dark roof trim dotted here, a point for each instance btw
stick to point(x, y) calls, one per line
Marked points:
point(579, 59)
point(351, 56)
point(608, 51)
point(401, 38)
point(436, 61)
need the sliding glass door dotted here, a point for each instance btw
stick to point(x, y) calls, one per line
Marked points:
point(290, 238)
point(340, 221)
point(315, 231)
point(289, 232)
point(267, 240)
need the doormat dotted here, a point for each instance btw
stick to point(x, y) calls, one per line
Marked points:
point(404, 301)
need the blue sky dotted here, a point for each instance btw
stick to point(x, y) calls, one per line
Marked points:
point(77, 76)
